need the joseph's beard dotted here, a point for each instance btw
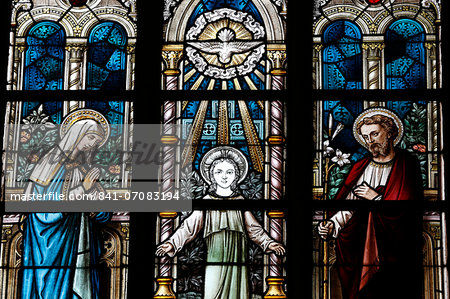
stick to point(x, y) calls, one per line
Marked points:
point(380, 149)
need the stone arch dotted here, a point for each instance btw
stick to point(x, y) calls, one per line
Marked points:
point(39, 16)
point(385, 20)
point(176, 27)
point(89, 23)
point(348, 14)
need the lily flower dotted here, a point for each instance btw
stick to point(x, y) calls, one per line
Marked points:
point(328, 149)
point(341, 159)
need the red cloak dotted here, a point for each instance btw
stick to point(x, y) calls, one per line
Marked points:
point(377, 251)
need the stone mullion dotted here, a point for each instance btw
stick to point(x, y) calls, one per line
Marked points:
point(373, 71)
point(76, 53)
point(131, 63)
point(432, 69)
point(275, 281)
point(276, 141)
point(165, 279)
point(169, 140)
point(13, 53)
point(316, 66)
point(18, 66)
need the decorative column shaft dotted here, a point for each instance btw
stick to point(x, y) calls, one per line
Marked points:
point(171, 55)
point(11, 59)
point(76, 54)
point(131, 56)
point(316, 72)
point(432, 51)
point(277, 56)
point(17, 63)
point(165, 279)
point(373, 50)
point(169, 140)
point(275, 281)
point(276, 141)
point(165, 263)
point(276, 53)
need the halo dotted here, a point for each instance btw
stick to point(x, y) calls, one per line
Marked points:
point(81, 114)
point(383, 111)
point(223, 152)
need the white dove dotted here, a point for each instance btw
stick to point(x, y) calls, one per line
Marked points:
point(226, 47)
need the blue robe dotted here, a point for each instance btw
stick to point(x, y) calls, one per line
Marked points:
point(50, 249)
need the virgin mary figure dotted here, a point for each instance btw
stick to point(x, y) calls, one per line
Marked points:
point(225, 231)
point(59, 248)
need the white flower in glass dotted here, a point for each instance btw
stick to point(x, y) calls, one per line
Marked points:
point(328, 152)
point(341, 159)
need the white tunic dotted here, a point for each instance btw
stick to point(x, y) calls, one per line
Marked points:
point(375, 175)
point(192, 225)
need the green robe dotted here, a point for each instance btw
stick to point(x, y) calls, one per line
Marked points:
point(225, 233)
point(226, 275)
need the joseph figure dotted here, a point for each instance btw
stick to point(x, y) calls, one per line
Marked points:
point(377, 251)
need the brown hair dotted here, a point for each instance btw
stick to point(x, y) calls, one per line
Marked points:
point(386, 122)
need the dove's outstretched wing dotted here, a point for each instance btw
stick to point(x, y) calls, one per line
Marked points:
point(208, 47)
point(238, 47)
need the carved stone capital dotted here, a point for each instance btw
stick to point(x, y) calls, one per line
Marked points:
point(430, 45)
point(131, 49)
point(76, 51)
point(172, 55)
point(21, 47)
point(373, 46)
point(6, 231)
point(277, 56)
point(373, 49)
point(125, 228)
point(318, 47)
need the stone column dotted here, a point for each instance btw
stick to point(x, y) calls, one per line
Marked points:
point(316, 66)
point(76, 53)
point(432, 81)
point(277, 56)
point(373, 50)
point(276, 53)
point(131, 62)
point(171, 55)
point(275, 281)
point(169, 139)
point(165, 279)
point(17, 73)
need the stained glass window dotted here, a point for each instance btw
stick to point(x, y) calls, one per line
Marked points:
point(360, 140)
point(226, 46)
point(67, 45)
point(106, 58)
point(342, 56)
point(371, 45)
point(44, 57)
point(344, 161)
point(405, 55)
